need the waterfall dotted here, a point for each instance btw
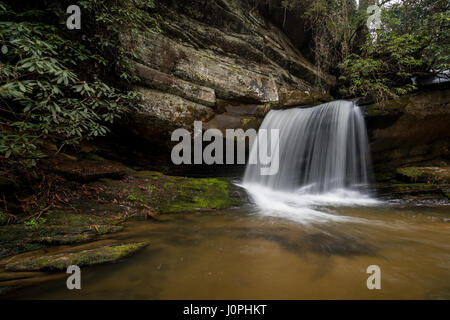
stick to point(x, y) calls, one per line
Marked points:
point(323, 159)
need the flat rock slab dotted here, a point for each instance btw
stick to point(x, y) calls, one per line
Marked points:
point(89, 170)
point(64, 239)
point(165, 82)
point(424, 174)
point(413, 191)
point(60, 262)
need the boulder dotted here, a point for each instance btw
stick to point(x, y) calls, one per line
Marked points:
point(238, 117)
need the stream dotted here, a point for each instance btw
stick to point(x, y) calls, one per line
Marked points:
point(245, 253)
point(310, 231)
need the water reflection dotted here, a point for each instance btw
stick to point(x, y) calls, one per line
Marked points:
point(239, 254)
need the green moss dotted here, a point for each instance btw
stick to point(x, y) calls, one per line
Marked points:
point(411, 172)
point(375, 111)
point(147, 174)
point(147, 191)
point(15, 239)
point(65, 239)
point(435, 175)
point(61, 261)
point(71, 219)
point(106, 229)
point(390, 107)
point(245, 122)
point(61, 227)
point(410, 184)
point(319, 98)
point(299, 97)
point(161, 193)
point(204, 193)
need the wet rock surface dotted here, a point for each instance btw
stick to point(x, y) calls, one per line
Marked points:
point(61, 261)
point(435, 175)
point(410, 132)
point(414, 192)
point(100, 207)
point(410, 143)
point(89, 170)
point(81, 230)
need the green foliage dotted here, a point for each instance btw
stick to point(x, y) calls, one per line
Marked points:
point(34, 223)
point(50, 80)
point(333, 24)
point(413, 40)
point(113, 21)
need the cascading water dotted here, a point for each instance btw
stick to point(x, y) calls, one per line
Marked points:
point(323, 161)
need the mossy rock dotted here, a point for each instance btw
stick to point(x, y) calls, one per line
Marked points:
point(290, 98)
point(410, 191)
point(90, 213)
point(391, 107)
point(60, 262)
point(147, 174)
point(433, 175)
point(65, 239)
point(88, 234)
point(61, 227)
point(72, 219)
point(247, 123)
point(168, 194)
point(205, 193)
point(15, 239)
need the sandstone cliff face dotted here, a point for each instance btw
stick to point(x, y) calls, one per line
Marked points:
point(412, 132)
point(220, 62)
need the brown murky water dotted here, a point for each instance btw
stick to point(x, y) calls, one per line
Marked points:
point(238, 254)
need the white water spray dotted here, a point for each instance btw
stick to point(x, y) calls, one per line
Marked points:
point(323, 161)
